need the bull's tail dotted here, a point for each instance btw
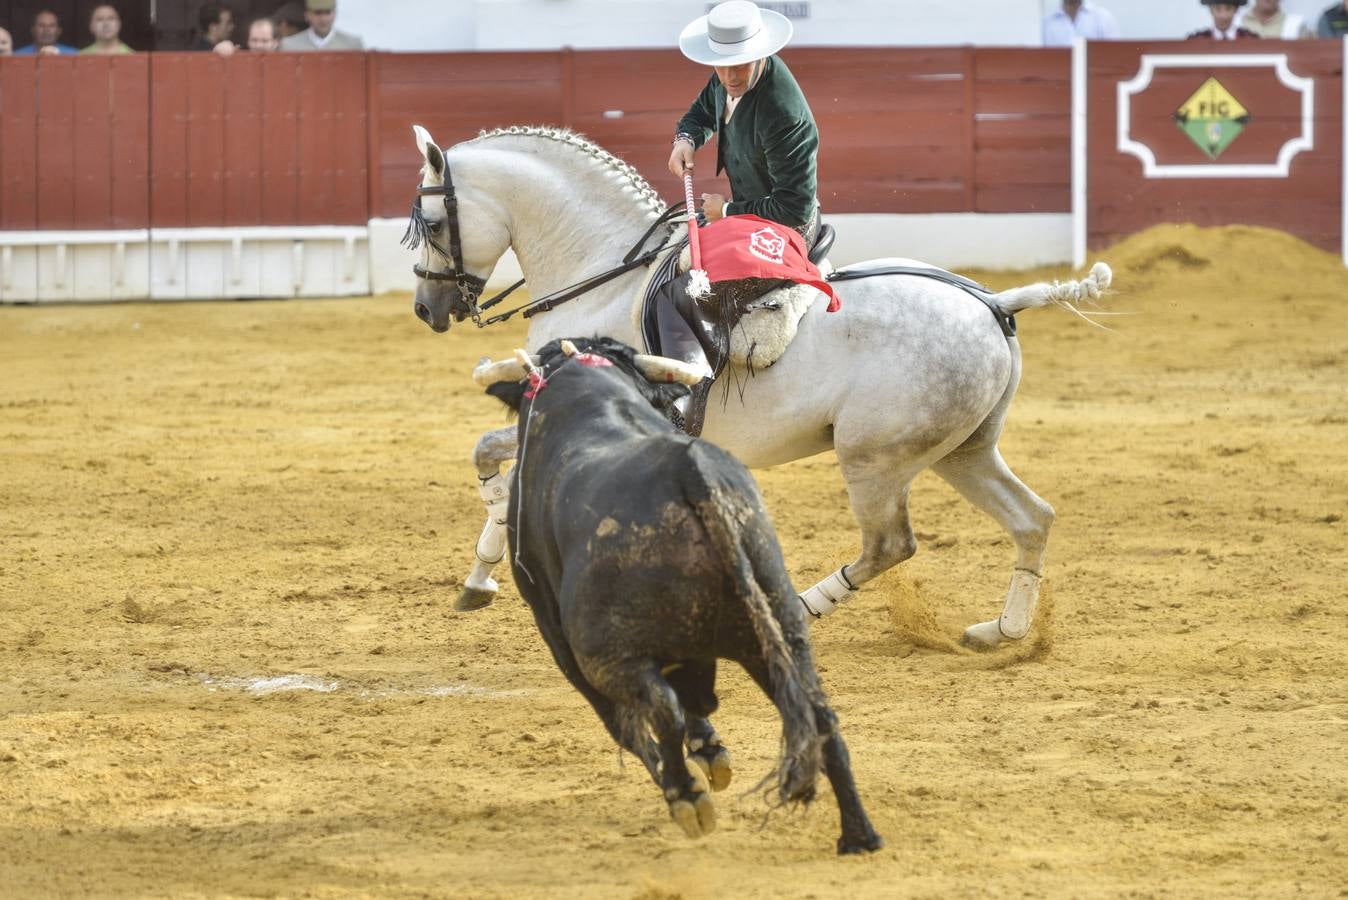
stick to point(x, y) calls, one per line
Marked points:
point(1067, 294)
point(794, 696)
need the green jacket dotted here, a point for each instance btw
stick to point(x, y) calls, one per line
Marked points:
point(768, 147)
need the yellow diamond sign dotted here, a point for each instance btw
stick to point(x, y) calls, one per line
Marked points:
point(1212, 118)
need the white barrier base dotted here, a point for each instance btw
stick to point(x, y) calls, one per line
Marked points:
point(337, 261)
point(184, 264)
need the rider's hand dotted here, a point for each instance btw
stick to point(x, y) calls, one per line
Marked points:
point(681, 159)
point(713, 206)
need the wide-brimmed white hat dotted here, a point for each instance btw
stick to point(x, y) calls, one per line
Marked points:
point(735, 33)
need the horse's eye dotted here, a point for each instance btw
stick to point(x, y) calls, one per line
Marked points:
point(435, 227)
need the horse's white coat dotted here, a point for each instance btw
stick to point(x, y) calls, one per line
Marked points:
point(910, 374)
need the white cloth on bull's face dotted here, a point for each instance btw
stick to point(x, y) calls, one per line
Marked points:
point(734, 33)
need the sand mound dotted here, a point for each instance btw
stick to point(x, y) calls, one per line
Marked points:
point(1238, 252)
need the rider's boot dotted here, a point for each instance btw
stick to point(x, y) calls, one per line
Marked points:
point(687, 335)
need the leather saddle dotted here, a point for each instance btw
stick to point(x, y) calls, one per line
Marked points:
point(729, 301)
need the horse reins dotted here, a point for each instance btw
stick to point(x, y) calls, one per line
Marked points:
point(471, 287)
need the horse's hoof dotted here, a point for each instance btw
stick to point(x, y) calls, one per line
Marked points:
point(983, 636)
point(696, 814)
point(868, 843)
point(714, 763)
point(474, 598)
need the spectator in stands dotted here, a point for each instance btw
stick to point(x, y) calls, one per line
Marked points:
point(289, 19)
point(1268, 19)
point(106, 27)
point(215, 27)
point(320, 35)
point(6, 43)
point(46, 37)
point(1224, 27)
point(1079, 18)
point(1333, 21)
point(262, 36)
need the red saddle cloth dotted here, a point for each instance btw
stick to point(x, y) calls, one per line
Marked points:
point(751, 247)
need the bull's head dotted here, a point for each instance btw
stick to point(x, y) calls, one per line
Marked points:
point(658, 379)
point(459, 239)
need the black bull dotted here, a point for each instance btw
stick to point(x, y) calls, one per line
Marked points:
point(646, 556)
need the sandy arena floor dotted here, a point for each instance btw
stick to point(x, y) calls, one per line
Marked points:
point(231, 534)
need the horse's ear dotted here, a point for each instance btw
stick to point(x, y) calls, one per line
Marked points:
point(426, 144)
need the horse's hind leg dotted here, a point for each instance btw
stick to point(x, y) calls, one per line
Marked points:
point(979, 473)
point(493, 449)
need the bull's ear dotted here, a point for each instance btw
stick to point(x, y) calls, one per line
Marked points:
point(429, 150)
point(511, 393)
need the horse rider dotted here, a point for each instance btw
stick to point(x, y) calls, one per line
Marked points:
point(767, 144)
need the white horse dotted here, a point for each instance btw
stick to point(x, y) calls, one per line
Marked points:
point(912, 373)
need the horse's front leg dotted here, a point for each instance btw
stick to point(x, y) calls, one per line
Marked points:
point(493, 450)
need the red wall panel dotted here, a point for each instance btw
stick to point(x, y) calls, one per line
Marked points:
point(454, 95)
point(243, 141)
point(170, 74)
point(1307, 203)
point(279, 140)
point(18, 143)
point(1022, 130)
point(56, 154)
point(251, 140)
point(129, 98)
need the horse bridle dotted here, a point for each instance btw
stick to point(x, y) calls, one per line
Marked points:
point(470, 286)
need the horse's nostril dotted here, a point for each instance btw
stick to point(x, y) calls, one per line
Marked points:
point(423, 312)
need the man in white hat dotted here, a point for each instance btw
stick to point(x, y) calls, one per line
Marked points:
point(766, 142)
point(766, 137)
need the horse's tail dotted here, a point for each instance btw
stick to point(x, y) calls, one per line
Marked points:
point(1067, 294)
point(724, 512)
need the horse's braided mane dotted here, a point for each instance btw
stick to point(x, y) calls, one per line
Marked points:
point(589, 148)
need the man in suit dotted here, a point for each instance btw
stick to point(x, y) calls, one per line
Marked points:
point(320, 35)
point(1224, 27)
point(1333, 21)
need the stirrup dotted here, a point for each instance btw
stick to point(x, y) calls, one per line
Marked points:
point(695, 413)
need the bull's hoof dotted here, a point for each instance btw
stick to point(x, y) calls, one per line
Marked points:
point(983, 636)
point(474, 598)
point(714, 762)
point(693, 811)
point(867, 843)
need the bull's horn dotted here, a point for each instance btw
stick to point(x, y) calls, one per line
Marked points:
point(662, 368)
point(488, 373)
point(569, 348)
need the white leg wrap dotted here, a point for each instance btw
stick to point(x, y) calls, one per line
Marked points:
point(828, 594)
point(491, 544)
point(1018, 611)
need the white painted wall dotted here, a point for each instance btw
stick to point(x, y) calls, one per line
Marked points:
point(545, 24)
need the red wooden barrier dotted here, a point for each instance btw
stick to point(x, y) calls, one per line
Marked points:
point(1023, 130)
point(177, 140)
point(259, 140)
point(897, 125)
point(18, 143)
point(73, 141)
